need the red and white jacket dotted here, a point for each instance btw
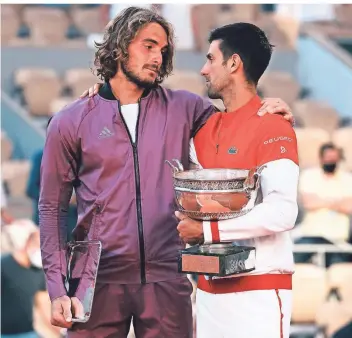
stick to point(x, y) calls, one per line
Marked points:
point(255, 141)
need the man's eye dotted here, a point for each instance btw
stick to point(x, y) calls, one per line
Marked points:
point(148, 47)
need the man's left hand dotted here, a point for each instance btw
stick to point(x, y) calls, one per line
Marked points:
point(276, 106)
point(190, 230)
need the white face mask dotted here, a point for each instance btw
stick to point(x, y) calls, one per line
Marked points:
point(35, 258)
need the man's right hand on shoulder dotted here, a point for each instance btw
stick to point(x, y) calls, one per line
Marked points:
point(63, 309)
point(91, 91)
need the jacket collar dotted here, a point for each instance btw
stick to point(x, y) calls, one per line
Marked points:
point(106, 93)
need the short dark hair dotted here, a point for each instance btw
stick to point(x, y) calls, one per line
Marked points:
point(249, 42)
point(330, 146)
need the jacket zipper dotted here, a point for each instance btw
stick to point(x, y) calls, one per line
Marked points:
point(138, 190)
point(218, 136)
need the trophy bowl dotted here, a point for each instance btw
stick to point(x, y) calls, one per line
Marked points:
point(214, 194)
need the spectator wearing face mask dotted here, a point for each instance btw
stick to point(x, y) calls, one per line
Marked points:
point(326, 196)
point(23, 283)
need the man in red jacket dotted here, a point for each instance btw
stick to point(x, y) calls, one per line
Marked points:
point(257, 303)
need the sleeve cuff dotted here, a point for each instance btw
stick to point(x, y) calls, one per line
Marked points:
point(56, 288)
point(211, 232)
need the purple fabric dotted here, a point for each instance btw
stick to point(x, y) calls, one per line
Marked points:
point(88, 143)
point(162, 310)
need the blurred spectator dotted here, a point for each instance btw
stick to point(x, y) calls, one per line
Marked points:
point(22, 283)
point(33, 186)
point(33, 189)
point(6, 217)
point(6, 220)
point(326, 196)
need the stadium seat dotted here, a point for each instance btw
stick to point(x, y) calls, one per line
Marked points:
point(309, 141)
point(24, 76)
point(309, 292)
point(59, 103)
point(343, 138)
point(87, 20)
point(10, 23)
point(316, 114)
point(40, 93)
point(48, 26)
point(187, 80)
point(280, 84)
point(79, 80)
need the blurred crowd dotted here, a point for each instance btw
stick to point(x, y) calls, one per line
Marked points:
point(323, 232)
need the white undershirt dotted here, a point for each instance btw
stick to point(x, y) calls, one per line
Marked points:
point(130, 115)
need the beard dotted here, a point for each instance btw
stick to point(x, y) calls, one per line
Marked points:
point(213, 94)
point(134, 78)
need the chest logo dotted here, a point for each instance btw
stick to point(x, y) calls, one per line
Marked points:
point(283, 150)
point(106, 133)
point(232, 150)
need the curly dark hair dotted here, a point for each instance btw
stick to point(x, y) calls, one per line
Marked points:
point(118, 35)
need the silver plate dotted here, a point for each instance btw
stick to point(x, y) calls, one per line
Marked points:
point(213, 216)
point(212, 174)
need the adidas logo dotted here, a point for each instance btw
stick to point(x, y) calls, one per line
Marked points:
point(105, 133)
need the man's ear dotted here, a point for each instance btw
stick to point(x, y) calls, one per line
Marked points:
point(235, 63)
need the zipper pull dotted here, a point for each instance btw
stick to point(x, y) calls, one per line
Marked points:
point(217, 148)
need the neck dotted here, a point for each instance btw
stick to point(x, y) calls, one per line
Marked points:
point(237, 96)
point(126, 91)
point(21, 258)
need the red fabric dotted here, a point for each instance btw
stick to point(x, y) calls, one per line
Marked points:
point(246, 283)
point(281, 314)
point(244, 140)
point(215, 235)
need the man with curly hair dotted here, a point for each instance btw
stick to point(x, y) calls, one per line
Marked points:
point(112, 149)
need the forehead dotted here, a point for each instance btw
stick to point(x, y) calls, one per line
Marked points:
point(152, 31)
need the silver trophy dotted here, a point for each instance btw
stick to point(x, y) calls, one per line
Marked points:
point(214, 195)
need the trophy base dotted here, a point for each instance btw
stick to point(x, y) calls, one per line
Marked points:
point(217, 259)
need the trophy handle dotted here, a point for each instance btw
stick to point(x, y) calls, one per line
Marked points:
point(253, 180)
point(177, 168)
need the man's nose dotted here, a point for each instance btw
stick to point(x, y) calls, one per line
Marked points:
point(203, 71)
point(157, 59)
